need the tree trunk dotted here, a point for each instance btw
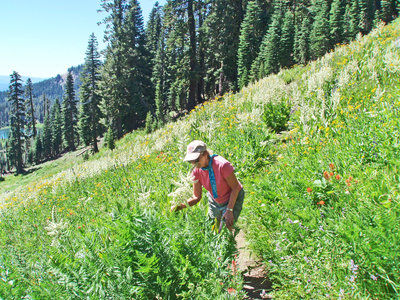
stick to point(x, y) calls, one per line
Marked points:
point(192, 57)
point(221, 80)
point(200, 84)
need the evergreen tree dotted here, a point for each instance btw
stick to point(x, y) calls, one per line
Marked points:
point(286, 42)
point(56, 128)
point(269, 57)
point(388, 10)
point(221, 31)
point(173, 75)
point(38, 149)
point(17, 122)
point(352, 20)
point(367, 10)
point(30, 112)
point(46, 106)
point(158, 79)
point(153, 31)
point(11, 151)
point(302, 41)
point(110, 139)
point(90, 114)
point(46, 137)
point(320, 33)
point(69, 112)
point(251, 34)
point(125, 85)
point(336, 22)
point(193, 80)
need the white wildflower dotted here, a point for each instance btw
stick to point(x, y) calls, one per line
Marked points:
point(184, 189)
point(55, 229)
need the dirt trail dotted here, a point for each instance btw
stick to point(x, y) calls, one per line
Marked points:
point(256, 283)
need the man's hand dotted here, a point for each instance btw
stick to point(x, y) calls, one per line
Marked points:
point(228, 215)
point(178, 207)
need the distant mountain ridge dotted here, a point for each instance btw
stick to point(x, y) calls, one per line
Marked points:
point(5, 81)
point(52, 88)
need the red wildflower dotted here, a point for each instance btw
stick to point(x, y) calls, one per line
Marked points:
point(322, 202)
point(309, 190)
point(326, 175)
point(231, 291)
point(337, 177)
point(331, 166)
point(79, 227)
point(331, 174)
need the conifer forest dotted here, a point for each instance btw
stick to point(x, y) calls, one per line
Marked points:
point(189, 52)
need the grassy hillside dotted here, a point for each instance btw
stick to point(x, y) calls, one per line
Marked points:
point(322, 205)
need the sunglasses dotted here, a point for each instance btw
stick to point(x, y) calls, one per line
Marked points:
point(195, 161)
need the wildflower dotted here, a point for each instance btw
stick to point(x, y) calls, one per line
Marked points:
point(331, 166)
point(309, 190)
point(373, 277)
point(326, 175)
point(337, 177)
point(331, 174)
point(231, 291)
point(322, 202)
point(353, 267)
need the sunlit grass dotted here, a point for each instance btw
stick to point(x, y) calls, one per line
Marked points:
point(322, 204)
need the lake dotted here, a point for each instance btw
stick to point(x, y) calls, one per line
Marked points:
point(4, 133)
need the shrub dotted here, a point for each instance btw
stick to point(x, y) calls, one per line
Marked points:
point(276, 116)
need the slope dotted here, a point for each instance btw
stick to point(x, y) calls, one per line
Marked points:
point(322, 204)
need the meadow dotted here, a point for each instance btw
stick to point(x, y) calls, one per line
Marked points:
point(317, 149)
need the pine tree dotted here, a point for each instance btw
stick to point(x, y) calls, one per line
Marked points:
point(38, 149)
point(268, 60)
point(110, 139)
point(192, 57)
point(302, 41)
point(153, 31)
point(173, 73)
point(30, 112)
point(56, 128)
point(286, 42)
point(46, 137)
point(46, 106)
point(388, 10)
point(221, 31)
point(69, 111)
point(336, 22)
point(90, 114)
point(352, 20)
point(367, 10)
point(17, 122)
point(251, 34)
point(125, 85)
point(319, 37)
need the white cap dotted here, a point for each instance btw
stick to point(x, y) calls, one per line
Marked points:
point(194, 149)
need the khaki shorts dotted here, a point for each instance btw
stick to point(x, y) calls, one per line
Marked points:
point(216, 210)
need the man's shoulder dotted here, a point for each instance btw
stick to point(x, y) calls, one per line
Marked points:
point(221, 160)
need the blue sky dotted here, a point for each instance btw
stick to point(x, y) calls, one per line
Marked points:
point(43, 38)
